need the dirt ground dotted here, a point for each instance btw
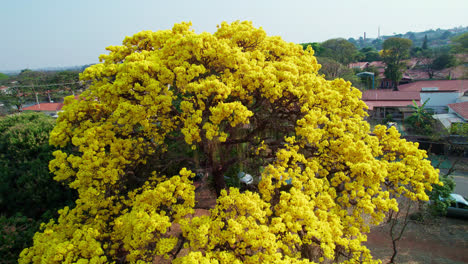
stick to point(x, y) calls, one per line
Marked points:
point(441, 240)
point(444, 241)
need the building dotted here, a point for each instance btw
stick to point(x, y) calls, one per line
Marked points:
point(457, 115)
point(47, 108)
point(438, 94)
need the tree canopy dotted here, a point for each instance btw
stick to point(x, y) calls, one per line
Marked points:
point(339, 49)
point(395, 50)
point(168, 104)
point(27, 186)
point(460, 43)
point(28, 193)
point(333, 69)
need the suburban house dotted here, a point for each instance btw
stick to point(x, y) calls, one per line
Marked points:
point(438, 94)
point(414, 71)
point(4, 89)
point(457, 114)
point(359, 65)
point(47, 108)
point(460, 109)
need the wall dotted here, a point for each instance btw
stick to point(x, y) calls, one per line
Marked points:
point(438, 101)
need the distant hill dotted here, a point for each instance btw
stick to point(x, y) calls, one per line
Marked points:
point(439, 38)
point(78, 68)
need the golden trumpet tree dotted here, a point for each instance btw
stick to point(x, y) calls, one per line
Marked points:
point(168, 104)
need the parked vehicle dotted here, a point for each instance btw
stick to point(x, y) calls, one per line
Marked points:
point(458, 206)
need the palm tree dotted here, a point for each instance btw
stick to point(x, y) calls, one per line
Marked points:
point(421, 120)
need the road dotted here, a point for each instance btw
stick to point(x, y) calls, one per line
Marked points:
point(461, 186)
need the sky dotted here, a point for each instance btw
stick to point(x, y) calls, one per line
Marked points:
point(58, 33)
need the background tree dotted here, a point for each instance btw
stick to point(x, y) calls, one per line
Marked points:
point(28, 193)
point(339, 49)
point(369, 54)
point(443, 61)
point(67, 82)
point(166, 103)
point(13, 97)
point(425, 60)
point(333, 69)
point(460, 43)
point(27, 185)
point(317, 47)
point(424, 45)
point(395, 50)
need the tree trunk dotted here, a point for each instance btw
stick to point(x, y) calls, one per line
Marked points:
point(218, 175)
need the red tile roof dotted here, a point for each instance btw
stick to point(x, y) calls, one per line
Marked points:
point(378, 64)
point(45, 107)
point(389, 95)
point(408, 92)
point(372, 104)
point(461, 109)
point(459, 85)
point(360, 65)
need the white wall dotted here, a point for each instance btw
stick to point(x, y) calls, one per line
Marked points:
point(438, 101)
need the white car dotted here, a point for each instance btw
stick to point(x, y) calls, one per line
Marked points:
point(458, 206)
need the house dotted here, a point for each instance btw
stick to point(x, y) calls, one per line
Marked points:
point(457, 114)
point(460, 109)
point(47, 108)
point(440, 94)
point(382, 102)
point(359, 65)
point(4, 89)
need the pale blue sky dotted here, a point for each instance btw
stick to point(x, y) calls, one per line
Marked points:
point(51, 33)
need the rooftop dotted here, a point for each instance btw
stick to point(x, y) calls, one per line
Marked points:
point(461, 109)
point(45, 107)
point(458, 85)
point(408, 92)
point(448, 119)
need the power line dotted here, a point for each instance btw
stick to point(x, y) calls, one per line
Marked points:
point(42, 85)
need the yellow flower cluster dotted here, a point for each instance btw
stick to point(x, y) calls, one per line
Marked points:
point(170, 102)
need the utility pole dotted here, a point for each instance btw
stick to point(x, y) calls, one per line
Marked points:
point(34, 91)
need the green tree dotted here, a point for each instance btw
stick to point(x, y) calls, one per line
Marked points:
point(27, 185)
point(395, 50)
point(460, 43)
point(333, 69)
point(13, 97)
point(369, 54)
point(425, 60)
point(442, 61)
point(28, 193)
point(440, 195)
point(421, 121)
point(66, 80)
point(16, 233)
point(424, 45)
point(339, 49)
point(317, 47)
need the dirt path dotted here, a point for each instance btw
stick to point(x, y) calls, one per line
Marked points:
point(444, 242)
